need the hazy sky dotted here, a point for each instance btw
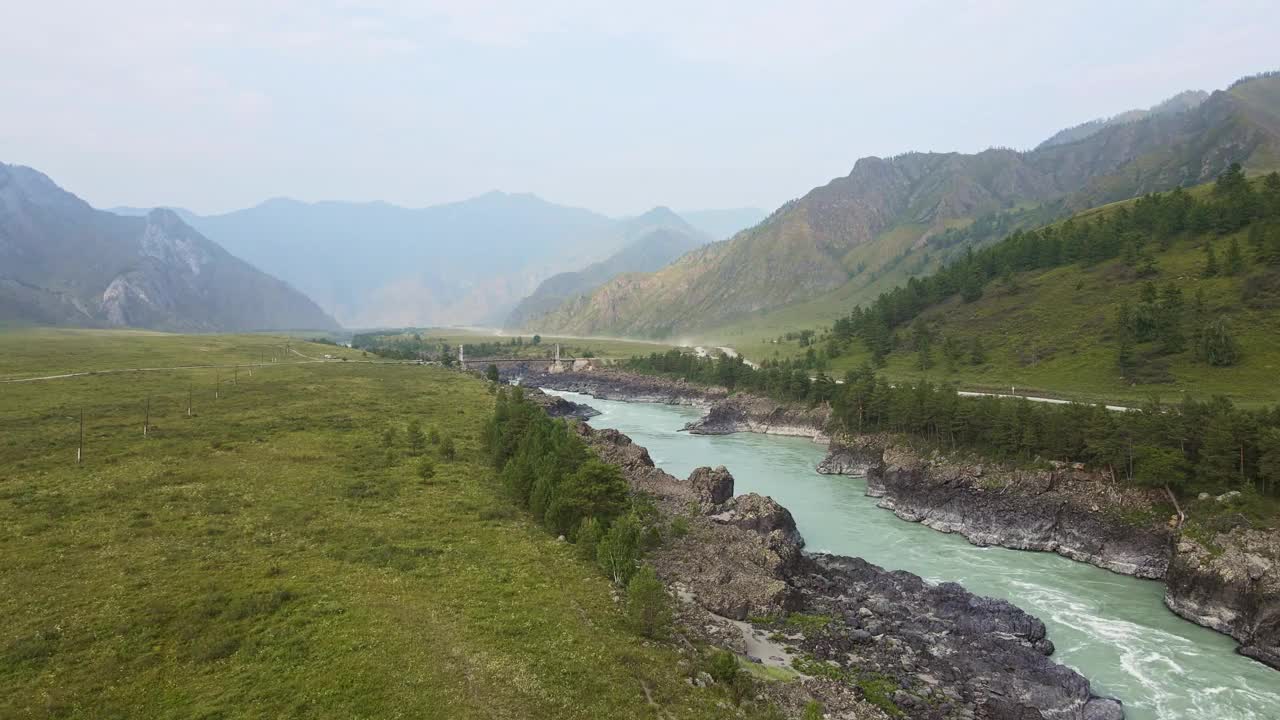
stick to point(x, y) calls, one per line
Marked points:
point(609, 105)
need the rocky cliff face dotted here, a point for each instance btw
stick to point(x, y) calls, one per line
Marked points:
point(1064, 511)
point(940, 651)
point(1230, 584)
point(747, 413)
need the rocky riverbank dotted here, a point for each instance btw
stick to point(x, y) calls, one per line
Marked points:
point(1230, 584)
point(854, 630)
point(726, 413)
point(747, 413)
point(608, 384)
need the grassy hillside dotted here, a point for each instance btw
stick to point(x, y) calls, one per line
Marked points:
point(1056, 330)
point(271, 556)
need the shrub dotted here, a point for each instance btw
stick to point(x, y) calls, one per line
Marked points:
point(426, 469)
point(648, 606)
point(447, 449)
point(723, 667)
point(417, 441)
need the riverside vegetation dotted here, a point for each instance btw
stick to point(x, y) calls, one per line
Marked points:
point(305, 545)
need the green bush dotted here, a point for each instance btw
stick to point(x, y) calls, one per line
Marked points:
point(426, 469)
point(448, 450)
point(417, 441)
point(723, 667)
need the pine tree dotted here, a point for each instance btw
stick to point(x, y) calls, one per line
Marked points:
point(1218, 346)
point(922, 340)
point(977, 352)
point(1210, 261)
point(1124, 332)
point(1235, 258)
point(1170, 320)
point(1269, 459)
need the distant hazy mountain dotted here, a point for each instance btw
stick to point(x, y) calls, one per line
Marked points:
point(1178, 103)
point(64, 263)
point(845, 242)
point(654, 239)
point(376, 264)
point(724, 224)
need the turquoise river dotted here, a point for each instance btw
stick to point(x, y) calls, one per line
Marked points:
point(1113, 629)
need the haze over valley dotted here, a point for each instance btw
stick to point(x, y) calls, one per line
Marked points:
point(563, 361)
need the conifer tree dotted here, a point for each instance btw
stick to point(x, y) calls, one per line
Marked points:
point(1235, 258)
point(1210, 262)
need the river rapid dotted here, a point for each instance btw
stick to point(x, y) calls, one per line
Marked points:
point(1111, 628)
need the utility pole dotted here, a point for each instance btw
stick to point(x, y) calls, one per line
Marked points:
point(235, 378)
point(146, 423)
point(217, 382)
point(80, 448)
point(188, 399)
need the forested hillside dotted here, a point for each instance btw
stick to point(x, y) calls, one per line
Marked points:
point(1175, 293)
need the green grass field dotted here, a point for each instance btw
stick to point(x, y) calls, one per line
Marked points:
point(270, 557)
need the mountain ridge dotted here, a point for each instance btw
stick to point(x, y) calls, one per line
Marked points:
point(66, 263)
point(851, 231)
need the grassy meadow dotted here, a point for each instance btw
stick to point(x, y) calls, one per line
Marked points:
point(274, 555)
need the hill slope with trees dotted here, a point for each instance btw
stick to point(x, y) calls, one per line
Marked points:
point(1173, 294)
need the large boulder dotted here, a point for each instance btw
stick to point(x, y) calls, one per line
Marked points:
point(711, 486)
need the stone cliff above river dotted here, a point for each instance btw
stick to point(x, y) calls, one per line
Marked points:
point(1230, 584)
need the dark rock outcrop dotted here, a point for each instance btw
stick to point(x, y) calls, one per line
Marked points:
point(711, 486)
point(1233, 587)
point(558, 407)
point(748, 413)
point(945, 647)
point(853, 456)
point(1048, 510)
point(1064, 510)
